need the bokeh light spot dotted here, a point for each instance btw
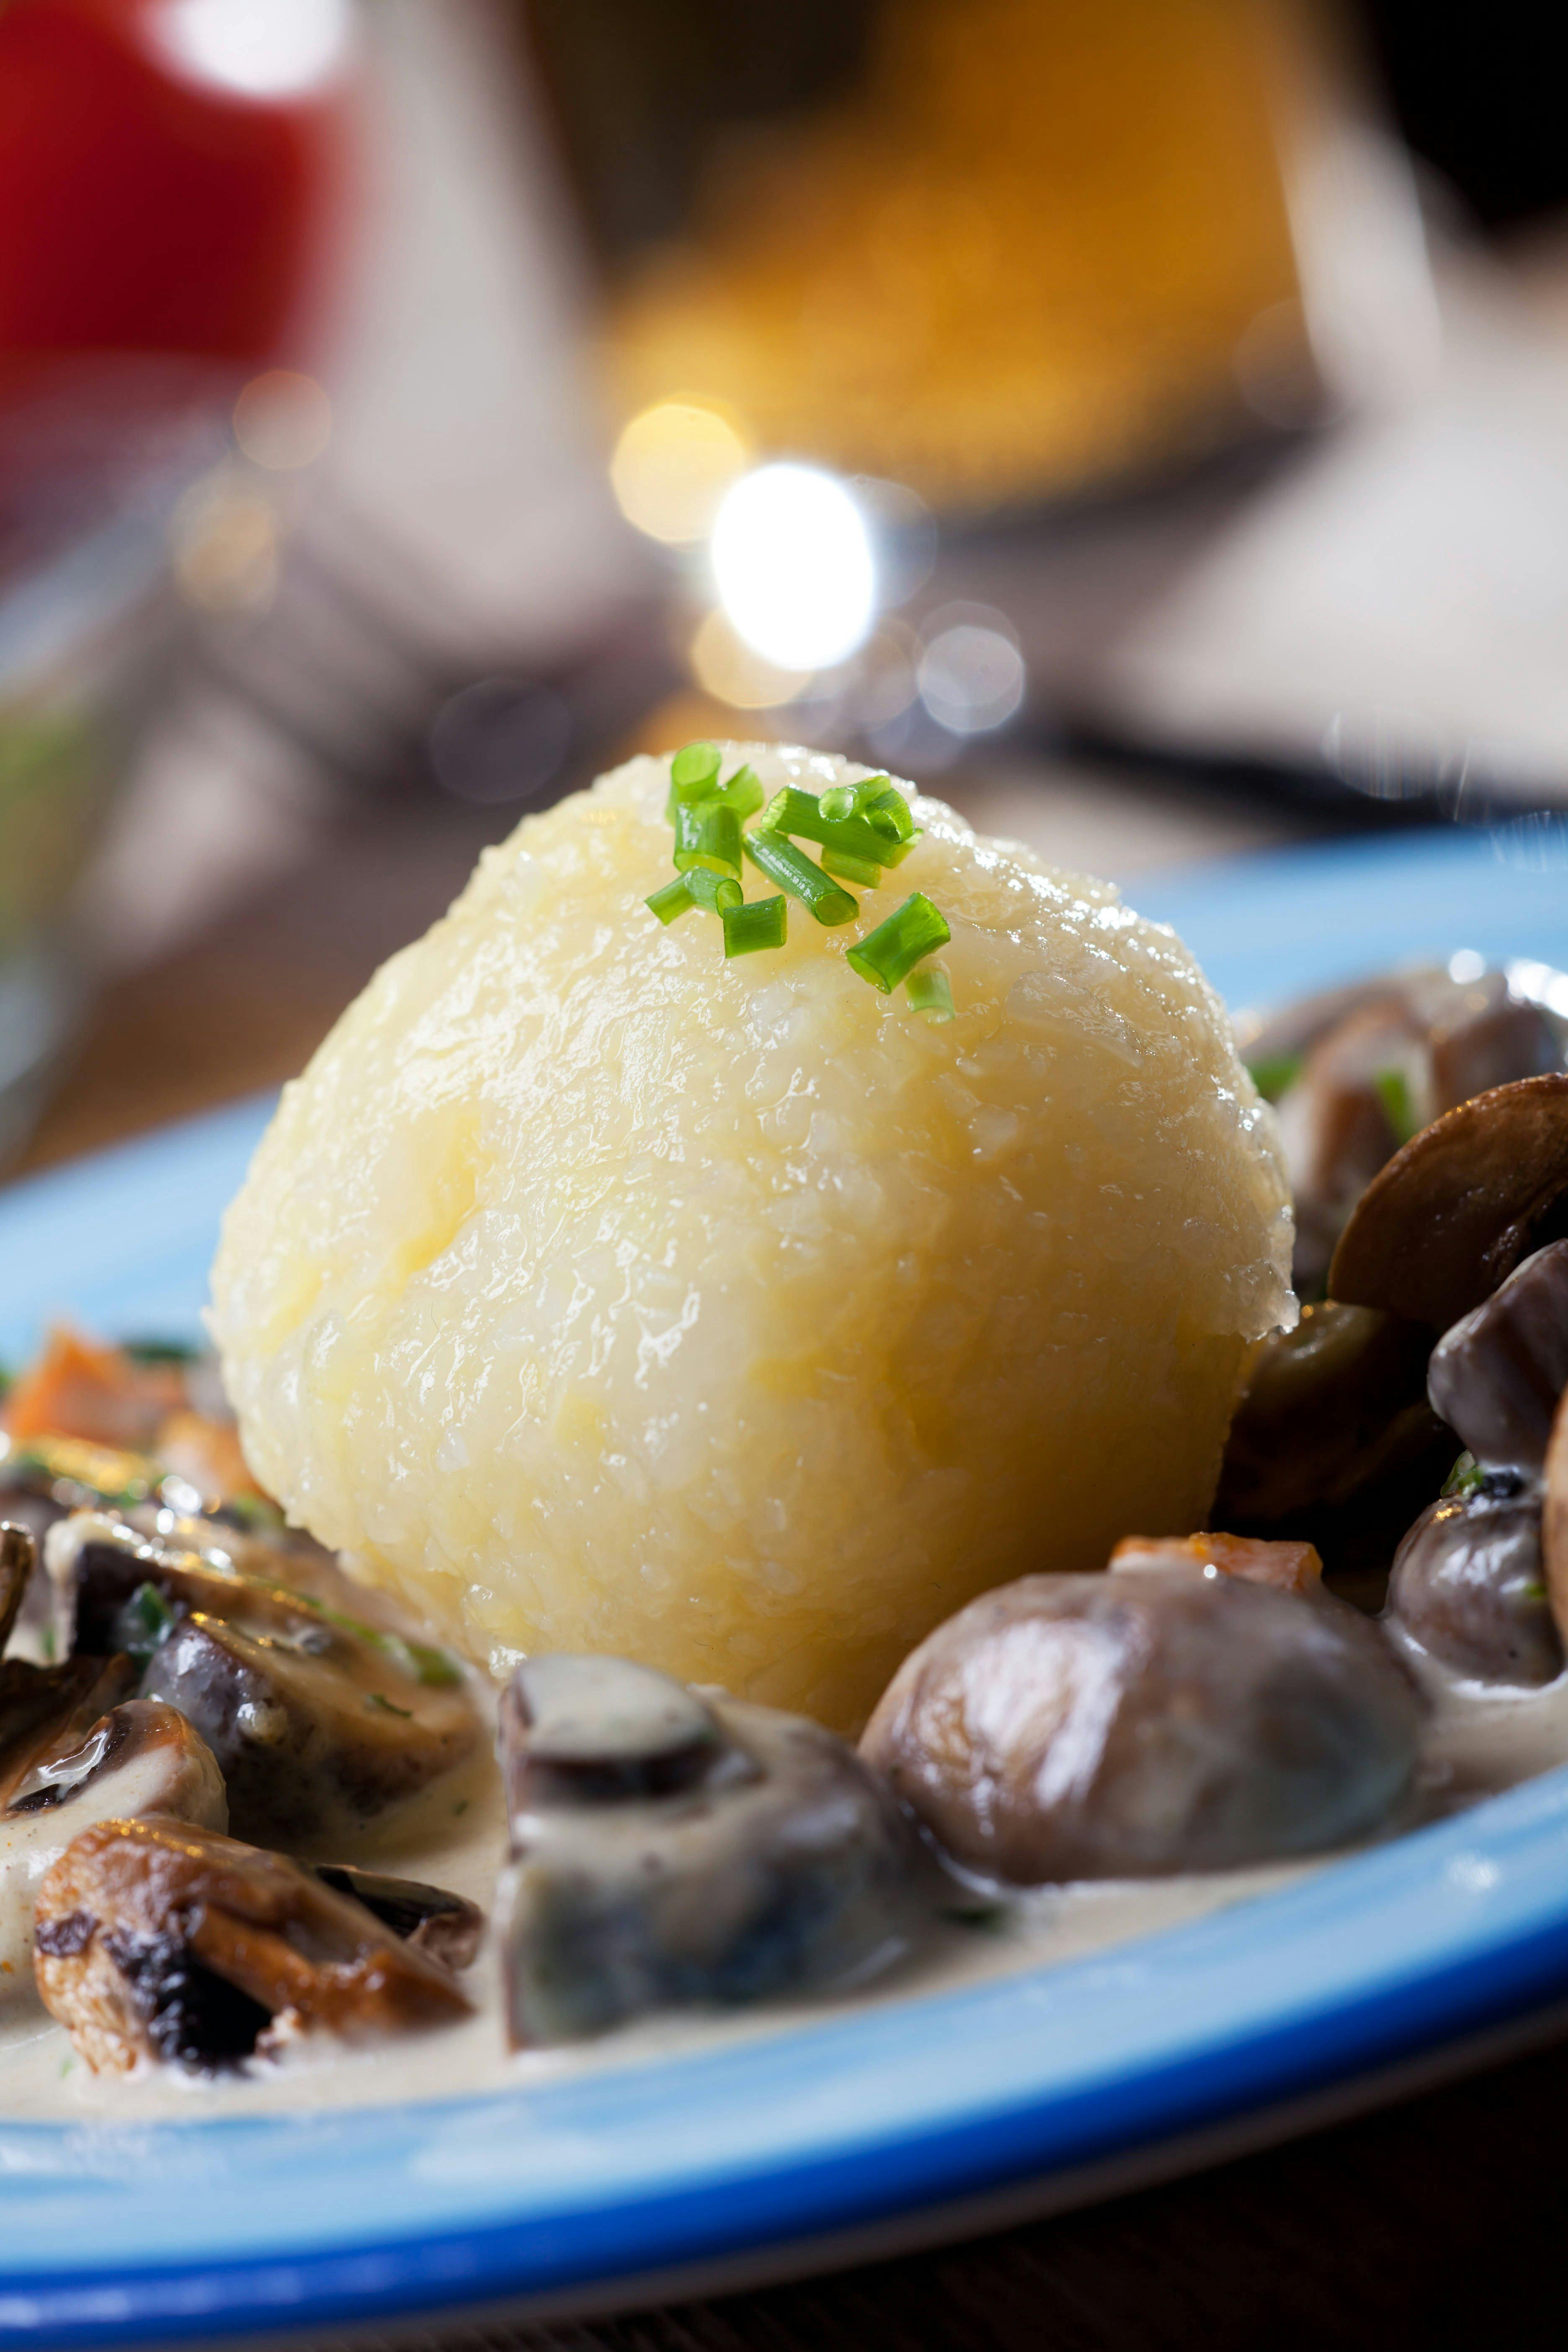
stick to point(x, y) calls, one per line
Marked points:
point(793, 565)
point(256, 48)
point(282, 420)
point(971, 674)
point(725, 666)
point(671, 467)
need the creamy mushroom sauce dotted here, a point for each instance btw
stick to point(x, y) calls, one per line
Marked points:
point(1479, 1738)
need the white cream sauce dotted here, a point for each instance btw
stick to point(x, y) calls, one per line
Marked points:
point(1479, 1738)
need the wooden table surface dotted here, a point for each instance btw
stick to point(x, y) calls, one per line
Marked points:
point(1435, 2221)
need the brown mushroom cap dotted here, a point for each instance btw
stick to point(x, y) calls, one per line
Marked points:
point(1460, 1205)
point(52, 1708)
point(156, 1942)
point(1554, 1518)
point(18, 1553)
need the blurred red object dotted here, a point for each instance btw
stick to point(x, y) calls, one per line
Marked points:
point(170, 176)
point(149, 205)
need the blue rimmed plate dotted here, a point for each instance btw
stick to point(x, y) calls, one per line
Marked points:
point(585, 2191)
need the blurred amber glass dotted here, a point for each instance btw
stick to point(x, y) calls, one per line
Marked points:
point(1009, 247)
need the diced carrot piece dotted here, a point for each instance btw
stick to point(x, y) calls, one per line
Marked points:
point(1288, 1567)
point(79, 1388)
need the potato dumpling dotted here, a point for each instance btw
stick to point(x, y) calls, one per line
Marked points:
point(597, 1294)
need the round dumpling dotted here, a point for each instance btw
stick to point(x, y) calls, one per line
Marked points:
point(597, 1294)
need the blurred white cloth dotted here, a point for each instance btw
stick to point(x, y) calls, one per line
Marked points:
point(1398, 597)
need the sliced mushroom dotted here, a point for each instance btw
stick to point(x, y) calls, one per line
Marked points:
point(52, 1708)
point(18, 1557)
point(1132, 1726)
point(1467, 1587)
point(1358, 1070)
point(1328, 1412)
point(1286, 1567)
point(1498, 1375)
point(445, 1925)
point(673, 1848)
point(320, 1721)
point(1462, 1205)
point(1554, 1518)
point(140, 1759)
point(158, 1944)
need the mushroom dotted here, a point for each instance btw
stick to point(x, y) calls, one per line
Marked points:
point(18, 1556)
point(1357, 1070)
point(1465, 1202)
point(1554, 1518)
point(1467, 1586)
point(1332, 1413)
point(445, 1925)
point(673, 1847)
point(46, 1706)
point(1496, 1376)
point(176, 1945)
point(1137, 1725)
point(320, 1721)
point(140, 1758)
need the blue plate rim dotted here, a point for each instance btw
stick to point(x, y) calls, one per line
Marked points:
point(661, 2164)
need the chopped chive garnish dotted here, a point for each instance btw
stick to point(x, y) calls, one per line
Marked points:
point(762, 923)
point(883, 805)
point(930, 990)
point(744, 792)
point(708, 834)
point(852, 869)
point(839, 801)
point(714, 891)
point(794, 813)
point(891, 951)
point(1465, 1476)
point(1393, 1090)
point(145, 1623)
point(694, 770)
point(793, 871)
point(384, 1706)
point(673, 901)
point(1275, 1074)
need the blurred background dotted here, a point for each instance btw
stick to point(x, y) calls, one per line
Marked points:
point(1144, 421)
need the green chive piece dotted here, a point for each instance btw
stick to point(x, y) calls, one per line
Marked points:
point(793, 871)
point(743, 793)
point(891, 951)
point(1276, 1074)
point(762, 923)
point(715, 891)
point(1393, 1090)
point(694, 770)
point(1465, 1476)
point(145, 1623)
point(708, 833)
point(673, 901)
point(930, 990)
point(384, 1706)
point(883, 805)
point(851, 869)
point(839, 801)
point(794, 813)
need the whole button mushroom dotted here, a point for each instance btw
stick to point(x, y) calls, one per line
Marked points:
point(1140, 1724)
point(1468, 1586)
point(140, 1759)
point(1496, 1377)
point(161, 1944)
point(673, 1848)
